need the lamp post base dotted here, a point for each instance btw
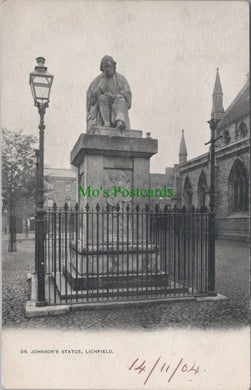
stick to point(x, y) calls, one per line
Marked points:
point(212, 293)
point(41, 303)
point(12, 246)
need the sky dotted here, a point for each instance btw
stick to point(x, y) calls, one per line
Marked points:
point(167, 50)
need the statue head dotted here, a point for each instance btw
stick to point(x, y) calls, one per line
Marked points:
point(108, 66)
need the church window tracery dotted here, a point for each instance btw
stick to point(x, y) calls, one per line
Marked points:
point(188, 193)
point(238, 188)
point(242, 130)
point(226, 137)
point(202, 185)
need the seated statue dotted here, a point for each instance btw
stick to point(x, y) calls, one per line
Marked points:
point(108, 98)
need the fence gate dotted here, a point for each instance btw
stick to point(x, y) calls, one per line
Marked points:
point(124, 253)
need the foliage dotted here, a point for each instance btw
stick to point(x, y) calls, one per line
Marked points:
point(18, 166)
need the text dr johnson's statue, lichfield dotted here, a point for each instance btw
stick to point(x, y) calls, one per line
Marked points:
point(108, 98)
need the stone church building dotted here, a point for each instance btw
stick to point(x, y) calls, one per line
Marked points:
point(191, 178)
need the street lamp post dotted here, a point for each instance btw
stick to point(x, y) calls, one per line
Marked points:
point(40, 82)
point(211, 217)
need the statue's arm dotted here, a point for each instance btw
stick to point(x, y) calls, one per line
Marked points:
point(99, 87)
point(94, 90)
point(125, 90)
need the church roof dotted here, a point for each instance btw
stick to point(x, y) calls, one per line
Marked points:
point(239, 107)
point(183, 148)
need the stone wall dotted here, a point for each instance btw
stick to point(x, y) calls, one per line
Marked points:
point(228, 225)
point(192, 169)
point(235, 227)
point(225, 159)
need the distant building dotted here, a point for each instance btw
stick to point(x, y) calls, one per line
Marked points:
point(191, 178)
point(60, 187)
point(159, 181)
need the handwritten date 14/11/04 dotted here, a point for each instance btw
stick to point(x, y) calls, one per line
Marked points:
point(161, 366)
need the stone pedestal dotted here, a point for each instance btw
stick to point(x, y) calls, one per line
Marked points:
point(115, 267)
point(108, 157)
point(115, 249)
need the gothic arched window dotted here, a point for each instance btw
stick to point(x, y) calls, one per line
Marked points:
point(202, 185)
point(238, 187)
point(242, 130)
point(188, 194)
point(226, 137)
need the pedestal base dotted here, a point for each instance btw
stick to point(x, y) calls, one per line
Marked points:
point(122, 266)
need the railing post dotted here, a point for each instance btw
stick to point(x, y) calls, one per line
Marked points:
point(66, 246)
point(36, 199)
point(211, 253)
point(40, 251)
point(87, 208)
point(211, 217)
point(76, 213)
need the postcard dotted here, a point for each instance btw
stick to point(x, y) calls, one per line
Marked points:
point(125, 177)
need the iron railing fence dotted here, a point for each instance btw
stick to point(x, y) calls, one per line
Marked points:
point(124, 253)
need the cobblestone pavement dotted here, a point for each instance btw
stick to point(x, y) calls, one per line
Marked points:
point(232, 270)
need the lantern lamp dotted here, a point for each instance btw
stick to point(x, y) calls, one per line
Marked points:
point(40, 83)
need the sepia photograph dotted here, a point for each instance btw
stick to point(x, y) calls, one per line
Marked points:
point(125, 155)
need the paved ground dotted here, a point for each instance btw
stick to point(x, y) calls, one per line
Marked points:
point(232, 281)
